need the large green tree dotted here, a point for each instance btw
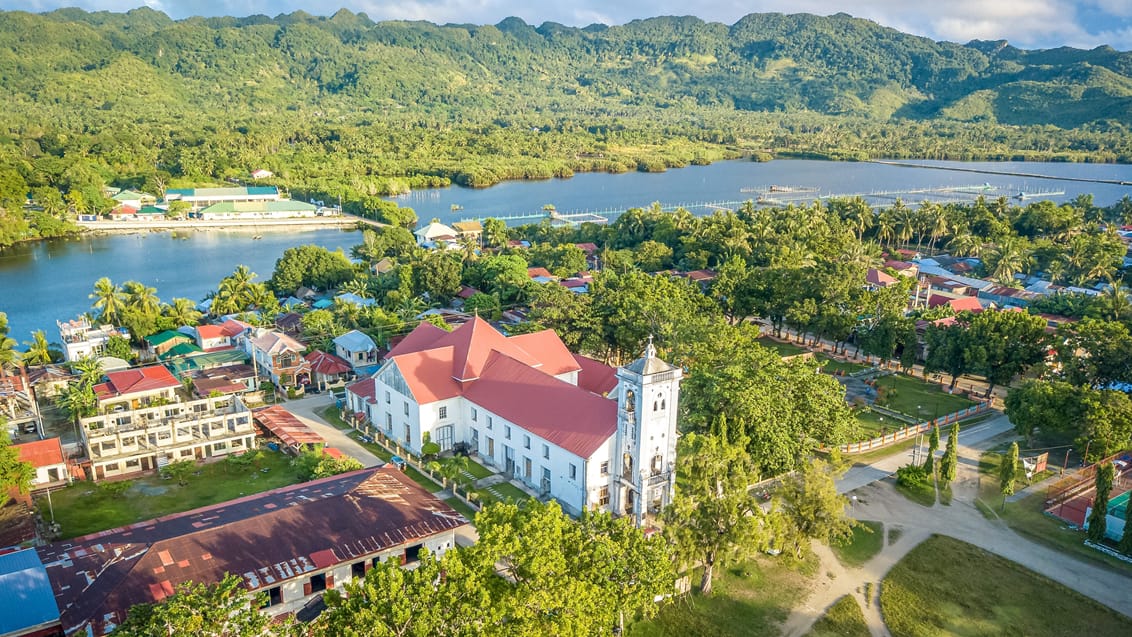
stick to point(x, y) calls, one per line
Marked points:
point(812, 508)
point(1098, 517)
point(14, 473)
point(714, 520)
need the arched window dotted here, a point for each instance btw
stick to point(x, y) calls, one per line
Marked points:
point(663, 404)
point(657, 464)
point(627, 464)
point(655, 405)
point(630, 401)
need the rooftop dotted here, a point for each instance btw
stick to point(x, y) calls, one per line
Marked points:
point(41, 453)
point(135, 381)
point(25, 593)
point(265, 538)
point(247, 207)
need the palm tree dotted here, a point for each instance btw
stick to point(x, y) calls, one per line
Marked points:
point(77, 401)
point(141, 298)
point(108, 300)
point(89, 370)
point(39, 350)
point(1010, 257)
point(358, 287)
point(182, 312)
point(963, 243)
point(885, 227)
point(1116, 301)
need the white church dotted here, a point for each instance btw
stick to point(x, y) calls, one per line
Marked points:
point(568, 427)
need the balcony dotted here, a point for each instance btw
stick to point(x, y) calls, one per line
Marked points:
point(658, 478)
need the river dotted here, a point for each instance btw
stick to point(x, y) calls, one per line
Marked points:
point(42, 282)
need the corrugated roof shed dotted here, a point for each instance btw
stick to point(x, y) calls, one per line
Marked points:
point(25, 594)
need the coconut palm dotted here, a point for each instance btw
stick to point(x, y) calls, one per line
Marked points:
point(358, 287)
point(39, 350)
point(89, 370)
point(965, 244)
point(8, 355)
point(885, 227)
point(182, 312)
point(1009, 257)
point(78, 401)
point(108, 300)
point(141, 298)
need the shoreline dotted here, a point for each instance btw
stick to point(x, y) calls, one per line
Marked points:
point(344, 221)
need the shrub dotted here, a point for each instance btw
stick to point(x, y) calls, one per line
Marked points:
point(912, 476)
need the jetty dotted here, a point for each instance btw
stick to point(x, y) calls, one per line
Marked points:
point(1007, 173)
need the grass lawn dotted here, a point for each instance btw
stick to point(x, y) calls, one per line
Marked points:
point(750, 599)
point(868, 540)
point(948, 587)
point(85, 508)
point(783, 349)
point(832, 366)
point(478, 470)
point(923, 495)
point(508, 491)
point(843, 619)
point(1027, 518)
point(331, 415)
point(465, 510)
point(871, 423)
point(917, 398)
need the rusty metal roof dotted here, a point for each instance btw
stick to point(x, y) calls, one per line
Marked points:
point(266, 538)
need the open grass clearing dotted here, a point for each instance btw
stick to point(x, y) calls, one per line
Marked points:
point(948, 587)
point(331, 415)
point(917, 398)
point(868, 540)
point(843, 619)
point(833, 366)
point(478, 470)
point(86, 507)
point(874, 425)
point(461, 508)
point(750, 599)
point(507, 491)
point(783, 349)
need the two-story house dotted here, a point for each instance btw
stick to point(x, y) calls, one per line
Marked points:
point(568, 427)
point(136, 388)
point(279, 357)
point(356, 348)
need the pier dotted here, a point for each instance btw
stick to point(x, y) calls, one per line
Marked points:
point(1007, 173)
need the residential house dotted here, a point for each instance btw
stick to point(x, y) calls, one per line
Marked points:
point(81, 339)
point(134, 199)
point(280, 358)
point(554, 421)
point(227, 379)
point(147, 438)
point(136, 388)
point(593, 255)
point(223, 359)
point(958, 304)
point(262, 173)
point(158, 344)
point(381, 267)
point(18, 407)
point(357, 349)
point(350, 297)
point(212, 337)
point(1006, 297)
point(437, 235)
point(541, 275)
point(243, 210)
point(237, 332)
point(200, 198)
point(29, 603)
point(290, 323)
point(903, 268)
point(472, 229)
point(290, 544)
point(327, 369)
point(49, 462)
point(876, 279)
point(49, 380)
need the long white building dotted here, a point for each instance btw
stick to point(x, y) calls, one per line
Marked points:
point(566, 426)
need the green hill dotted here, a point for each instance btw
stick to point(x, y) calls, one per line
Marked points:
point(343, 105)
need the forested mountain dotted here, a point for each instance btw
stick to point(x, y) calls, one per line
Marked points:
point(346, 106)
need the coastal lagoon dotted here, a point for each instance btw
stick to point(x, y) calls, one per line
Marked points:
point(41, 282)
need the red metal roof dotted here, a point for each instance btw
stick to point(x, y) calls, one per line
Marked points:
point(548, 349)
point(210, 331)
point(552, 409)
point(41, 453)
point(876, 277)
point(536, 272)
point(596, 377)
point(326, 363)
point(267, 539)
point(963, 303)
point(286, 427)
point(136, 381)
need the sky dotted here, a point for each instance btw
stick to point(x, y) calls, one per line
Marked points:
point(1024, 23)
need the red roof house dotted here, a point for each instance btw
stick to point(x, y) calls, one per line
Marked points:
point(137, 386)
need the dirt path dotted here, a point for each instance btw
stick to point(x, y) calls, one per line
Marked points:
point(879, 501)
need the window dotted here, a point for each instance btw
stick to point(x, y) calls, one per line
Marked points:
point(603, 496)
point(358, 570)
point(413, 553)
point(387, 397)
point(389, 422)
point(605, 468)
point(130, 464)
point(546, 451)
point(274, 597)
point(573, 471)
point(475, 414)
point(526, 442)
point(406, 408)
point(318, 582)
point(507, 432)
point(443, 412)
point(408, 432)
point(489, 423)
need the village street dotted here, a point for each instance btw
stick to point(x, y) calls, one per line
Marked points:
point(879, 501)
point(305, 408)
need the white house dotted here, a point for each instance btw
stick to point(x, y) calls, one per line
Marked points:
point(49, 462)
point(82, 340)
point(566, 426)
point(437, 234)
point(357, 348)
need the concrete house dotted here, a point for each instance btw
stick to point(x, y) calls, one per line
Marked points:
point(357, 348)
point(49, 462)
point(136, 388)
point(279, 357)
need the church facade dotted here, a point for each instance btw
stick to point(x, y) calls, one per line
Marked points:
point(565, 426)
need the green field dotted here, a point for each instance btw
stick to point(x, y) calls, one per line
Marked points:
point(832, 366)
point(868, 540)
point(783, 349)
point(749, 599)
point(85, 507)
point(917, 398)
point(507, 491)
point(843, 619)
point(873, 423)
point(948, 587)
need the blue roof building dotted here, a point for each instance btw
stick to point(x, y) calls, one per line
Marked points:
point(25, 595)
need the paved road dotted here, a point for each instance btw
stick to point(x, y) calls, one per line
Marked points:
point(305, 408)
point(861, 475)
point(879, 501)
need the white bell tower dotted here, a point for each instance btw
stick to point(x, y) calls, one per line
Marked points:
point(644, 461)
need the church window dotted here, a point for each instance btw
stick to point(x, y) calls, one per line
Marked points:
point(630, 401)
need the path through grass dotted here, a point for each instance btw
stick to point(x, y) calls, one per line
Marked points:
point(843, 619)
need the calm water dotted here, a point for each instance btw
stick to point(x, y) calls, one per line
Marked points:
point(45, 281)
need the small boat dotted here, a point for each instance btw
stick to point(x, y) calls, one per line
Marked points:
point(257, 237)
